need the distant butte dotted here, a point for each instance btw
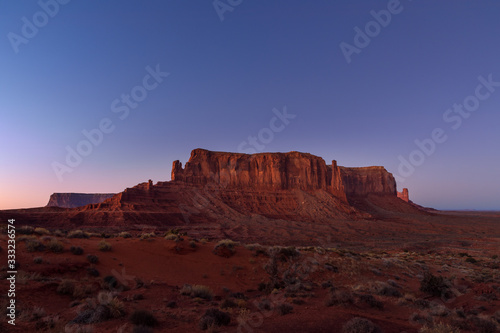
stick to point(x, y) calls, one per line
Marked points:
point(73, 200)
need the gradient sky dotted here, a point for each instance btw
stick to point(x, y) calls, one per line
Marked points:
point(226, 77)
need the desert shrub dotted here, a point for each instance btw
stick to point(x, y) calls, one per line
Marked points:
point(143, 318)
point(214, 317)
point(339, 297)
point(439, 328)
point(46, 238)
point(186, 289)
point(55, 246)
point(202, 292)
point(38, 260)
point(439, 310)
point(41, 231)
point(76, 250)
point(193, 245)
point(25, 230)
point(104, 246)
point(145, 236)
point(110, 282)
point(371, 301)
point(58, 233)
point(471, 260)
point(434, 285)
point(385, 289)
point(284, 309)
point(115, 306)
point(33, 245)
point(225, 248)
point(125, 234)
point(93, 272)
point(228, 303)
point(66, 287)
point(285, 253)
point(78, 234)
point(172, 232)
point(360, 325)
point(171, 237)
point(92, 313)
point(265, 304)
point(25, 238)
point(420, 318)
point(81, 291)
point(259, 249)
point(93, 259)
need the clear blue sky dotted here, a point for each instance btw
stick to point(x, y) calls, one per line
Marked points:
point(226, 77)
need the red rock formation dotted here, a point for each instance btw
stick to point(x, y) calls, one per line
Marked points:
point(265, 171)
point(72, 200)
point(368, 180)
point(404, 195)
point(219, 187)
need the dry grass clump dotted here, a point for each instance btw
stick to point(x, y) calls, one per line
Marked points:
point(202, 292)
point(41, 231)
point(360, 325)
point(147, 236)
point(78, 234)
point(66, 287)
point(172, 237)
point(116, 307)
point(104, 246)
point(439, 328)
point(340, 297)
point(34, 245)
point(225, 248)
point(214, 318)
point(25, 238)
point(125, 234)
point(55, 246)
point(197, 291)
point(25, 230)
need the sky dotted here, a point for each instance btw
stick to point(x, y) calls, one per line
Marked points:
point(98, 96)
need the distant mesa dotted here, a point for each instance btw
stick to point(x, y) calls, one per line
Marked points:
point(282, 171)
point(222, 188)
point(73, 200)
